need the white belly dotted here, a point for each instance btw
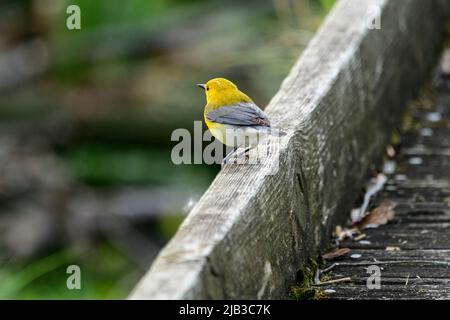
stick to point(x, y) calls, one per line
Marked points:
point(236, 136)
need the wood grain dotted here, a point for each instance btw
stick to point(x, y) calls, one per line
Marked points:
point(257, 224)
point(420, 266)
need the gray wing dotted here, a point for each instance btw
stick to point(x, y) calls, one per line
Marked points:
point(240, 114)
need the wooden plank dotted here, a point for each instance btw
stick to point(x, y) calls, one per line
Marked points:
point(389, 292)
point(413, 254)
point(410, 240)
point(256, 225)
point(421, 268)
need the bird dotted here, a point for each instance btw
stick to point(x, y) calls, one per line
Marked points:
point(233, 118)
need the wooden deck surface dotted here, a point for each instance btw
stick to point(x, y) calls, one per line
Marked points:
point(419, 266)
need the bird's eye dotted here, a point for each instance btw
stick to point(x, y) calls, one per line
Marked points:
point(207, 88)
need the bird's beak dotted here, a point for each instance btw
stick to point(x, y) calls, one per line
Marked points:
point(202, 85)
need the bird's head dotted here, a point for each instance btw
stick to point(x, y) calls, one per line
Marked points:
point(218, 88)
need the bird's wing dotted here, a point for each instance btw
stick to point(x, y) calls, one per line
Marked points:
point(240, 114)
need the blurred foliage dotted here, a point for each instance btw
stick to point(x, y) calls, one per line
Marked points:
point(169, 225)
point(105, 165)
point(104, 100)
point(105, 274)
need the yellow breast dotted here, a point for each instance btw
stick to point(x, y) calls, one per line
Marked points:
point(218, 130)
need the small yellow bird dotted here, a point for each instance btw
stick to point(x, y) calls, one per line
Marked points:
point(233, 118)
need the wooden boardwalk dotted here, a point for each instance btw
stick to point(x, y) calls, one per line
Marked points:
point(257, 225)
point(417, 264)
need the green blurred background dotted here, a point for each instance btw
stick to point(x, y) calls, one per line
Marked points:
point(86, 117)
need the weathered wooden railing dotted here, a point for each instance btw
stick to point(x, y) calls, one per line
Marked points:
point(251, 231)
